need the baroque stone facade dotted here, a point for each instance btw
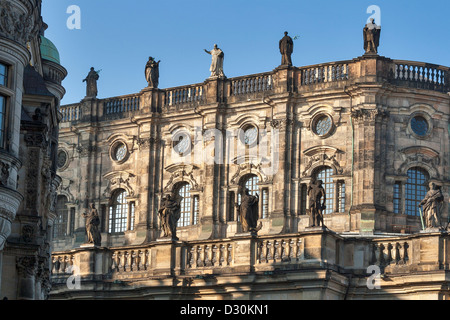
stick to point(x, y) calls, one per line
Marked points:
point(372, 129)
point(30, 91)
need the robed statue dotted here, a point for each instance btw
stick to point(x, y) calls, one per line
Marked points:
point(91, 84)
point(286, 49)
point(93, 226)
point(317, 200)
point(152, 72)
point(248, 211)
point(432, 207)
point(169, 214)
point(217, 62)
point(372, 34)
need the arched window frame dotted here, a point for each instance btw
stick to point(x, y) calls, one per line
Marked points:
point(61, 224)
point(190, 204)
point(121, 212)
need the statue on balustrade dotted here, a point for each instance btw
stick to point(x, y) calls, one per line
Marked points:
point(286, 48)
point(432, 207)
point(248, 212)
point(169, 214)
point(152, 72)
point(91, 83)
point(217, 62)
point(93, 226)
point(317, 200)
point(372, 34)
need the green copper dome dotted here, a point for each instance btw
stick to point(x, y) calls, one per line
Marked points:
point(49, 51)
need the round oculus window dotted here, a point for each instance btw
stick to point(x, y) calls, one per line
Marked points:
point(250, 135)
point(62, 159)
point(419, 126)
point(323, 125)
point(120, 152)
point(182, 143)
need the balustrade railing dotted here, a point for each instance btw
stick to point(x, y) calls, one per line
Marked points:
point(280, 250)
point(182, 95)
point(130, 260)
point(70, 113)
point(122, 104)
point(422, 75)
point(324, 73)
point(209, 255)
point(251, 84)
point(62, 264)
point(387, 253)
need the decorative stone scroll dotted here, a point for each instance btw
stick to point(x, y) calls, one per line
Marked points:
point(247, 168)
point(120, 180)
point(322, 159)
point(181, 174)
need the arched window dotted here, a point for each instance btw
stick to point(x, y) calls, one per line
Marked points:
point(325, 174)
point(184, 191)
point(415, 190)
point(121, 213)
point(62, 212)
point(189, 211)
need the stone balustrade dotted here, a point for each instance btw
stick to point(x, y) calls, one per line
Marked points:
point(184, 95)
point(387, 253)
point(257, 86)
point(251, 84)
point(123, 104)
point(70, 113)
point(421, 75)
point(324, 73)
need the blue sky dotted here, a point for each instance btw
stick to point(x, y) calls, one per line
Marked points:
point(117, 37)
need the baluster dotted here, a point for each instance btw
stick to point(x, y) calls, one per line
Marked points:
point(269, 252)
point(199, 257)
point(113, 262)
point(191, 257)
point(405, 253)
point(214, 255)
point(229, 254)
point(147, 260)
point(207, 262)
point(299, 250)
point(133, 266)
point(389, 253)
point(276, 246)
point(126, 257)
point(291, 249)
point(284, 255)
point(140, 259)
point(222, 255)
point(119, 261)
point(260, 254)
point(398, 257)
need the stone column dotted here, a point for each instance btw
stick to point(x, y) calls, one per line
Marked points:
point(26, 267)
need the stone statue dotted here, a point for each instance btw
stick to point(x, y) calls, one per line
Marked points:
point(217, 62)
point(91, 84)
point(286, 49)
point(371, 37)
point(152, 72)
point(93, 226)
point(169, 214)
point(317, 198)
point(432, 207)
point(248, 212)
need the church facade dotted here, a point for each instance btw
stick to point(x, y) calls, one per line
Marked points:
point(374, 131)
